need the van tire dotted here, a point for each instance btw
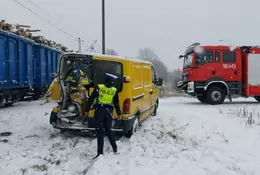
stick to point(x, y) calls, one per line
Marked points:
point(53, 118)
point(134, 129)
point(215, 95)
point(155, 108)
point(8, 104)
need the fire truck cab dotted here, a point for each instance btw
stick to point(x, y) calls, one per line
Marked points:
point(212, 73)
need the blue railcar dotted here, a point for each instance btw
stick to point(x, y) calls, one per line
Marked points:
point(25, 67)
point(46, 59)
point(16, 67)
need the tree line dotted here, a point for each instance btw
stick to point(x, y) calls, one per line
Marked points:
point(170, 78)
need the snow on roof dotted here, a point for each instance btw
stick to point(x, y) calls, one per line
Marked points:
point(110, 56)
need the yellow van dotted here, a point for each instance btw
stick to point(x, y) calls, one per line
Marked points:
point(137, 86)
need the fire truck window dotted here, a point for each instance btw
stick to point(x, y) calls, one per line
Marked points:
point(217, 54)
point(229, 57)
point(205, 57)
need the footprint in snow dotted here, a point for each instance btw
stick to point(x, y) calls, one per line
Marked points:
point(6, 134)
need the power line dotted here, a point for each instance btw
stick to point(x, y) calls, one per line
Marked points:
point(49, 22)
point(39, 8)
point(48, 14)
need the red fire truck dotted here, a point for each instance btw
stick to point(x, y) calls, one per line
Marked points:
point(212, 73)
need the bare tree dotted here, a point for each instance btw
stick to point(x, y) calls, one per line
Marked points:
point(111, 52)
point(160, 68)
point(174, 78)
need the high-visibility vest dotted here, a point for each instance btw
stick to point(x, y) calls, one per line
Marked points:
point(106, 94)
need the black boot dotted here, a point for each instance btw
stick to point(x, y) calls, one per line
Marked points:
point(97, 156)
point(115, 151)
point(230, 98)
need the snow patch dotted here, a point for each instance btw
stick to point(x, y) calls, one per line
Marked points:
point(186, 137)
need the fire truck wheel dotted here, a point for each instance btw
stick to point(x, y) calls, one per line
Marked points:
point(257, 98)
point(202, 98)
point(215, 95)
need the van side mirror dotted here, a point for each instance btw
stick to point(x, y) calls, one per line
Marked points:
point(159, 82)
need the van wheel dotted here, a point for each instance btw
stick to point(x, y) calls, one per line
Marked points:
point(8, 104)
point(155, 108)
point(53, 118)
point(215, 95)
point(132, 131)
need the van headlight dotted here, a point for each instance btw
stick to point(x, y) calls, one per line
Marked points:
point(72, 108)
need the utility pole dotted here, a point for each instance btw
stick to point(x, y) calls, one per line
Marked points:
point(79, 44)
point(103, 28)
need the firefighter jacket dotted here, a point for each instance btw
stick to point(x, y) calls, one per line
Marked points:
point(82, 83)
point(53, 90)
point(72, 78)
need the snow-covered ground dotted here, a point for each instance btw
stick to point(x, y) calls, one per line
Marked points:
point(186, 137)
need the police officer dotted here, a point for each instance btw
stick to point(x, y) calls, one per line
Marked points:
point(105, 96)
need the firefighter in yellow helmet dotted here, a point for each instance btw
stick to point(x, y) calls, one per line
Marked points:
point(83, 81)
point(71, 78)
point(105, 97)
point(82, 84)
point(53, 91)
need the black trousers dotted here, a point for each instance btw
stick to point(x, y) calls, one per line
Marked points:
point(103, 121)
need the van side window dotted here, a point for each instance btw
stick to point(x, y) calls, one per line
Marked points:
point(154, 79)
point(229, 57)
point(112, 67)
point(217, 57)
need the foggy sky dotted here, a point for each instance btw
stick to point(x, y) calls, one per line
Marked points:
point(167, 26)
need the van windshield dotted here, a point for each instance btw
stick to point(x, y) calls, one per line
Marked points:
point(101, 67)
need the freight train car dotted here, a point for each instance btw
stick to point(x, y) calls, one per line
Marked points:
point(24, 67)
point(46, 59)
